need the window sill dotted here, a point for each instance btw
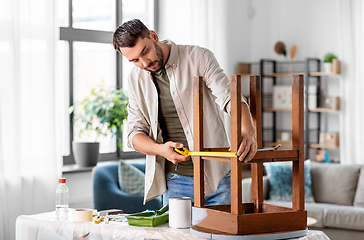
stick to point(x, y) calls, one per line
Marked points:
point(74, 168)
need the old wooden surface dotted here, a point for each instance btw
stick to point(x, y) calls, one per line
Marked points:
point(257, 167)
point(198, 162)
point(298, 187)
point(271, 219)
point(235, 113)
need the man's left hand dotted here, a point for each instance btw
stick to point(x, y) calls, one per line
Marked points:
point(248, 146)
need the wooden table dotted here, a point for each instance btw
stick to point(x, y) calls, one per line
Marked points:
point(44, 227)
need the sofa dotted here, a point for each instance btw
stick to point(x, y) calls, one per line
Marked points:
point(109, 194)
point(337, 191)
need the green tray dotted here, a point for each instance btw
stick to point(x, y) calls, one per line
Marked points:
point(149, 218)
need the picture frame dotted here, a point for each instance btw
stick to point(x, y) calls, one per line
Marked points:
point(282, 97)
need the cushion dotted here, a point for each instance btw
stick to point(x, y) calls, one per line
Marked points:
point(314, 210)
point(280, 181)
point(347, 217)
point(359, 195)
point(131, 179)
point(334, 183)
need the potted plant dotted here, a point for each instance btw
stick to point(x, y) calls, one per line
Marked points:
point(328, 62)
point(101, 112)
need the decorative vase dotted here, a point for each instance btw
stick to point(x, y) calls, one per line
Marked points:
point(327, 67)
point(86, 154)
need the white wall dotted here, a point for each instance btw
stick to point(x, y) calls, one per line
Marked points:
point(311, 25)
point(235, 36)
point(218, 25)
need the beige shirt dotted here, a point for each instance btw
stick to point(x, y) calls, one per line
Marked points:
point(184, 62)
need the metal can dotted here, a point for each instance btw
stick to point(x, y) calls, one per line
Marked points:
point(180, 212)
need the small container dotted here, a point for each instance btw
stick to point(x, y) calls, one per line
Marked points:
point(180, 212)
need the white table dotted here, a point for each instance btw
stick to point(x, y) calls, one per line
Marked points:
point(44, 227)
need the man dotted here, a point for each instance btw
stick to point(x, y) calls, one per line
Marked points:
point(160, 115)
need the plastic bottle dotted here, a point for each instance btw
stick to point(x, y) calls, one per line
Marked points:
point(62, 200)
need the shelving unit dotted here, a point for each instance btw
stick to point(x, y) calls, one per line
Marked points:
point(272, 74)
point(317, 75)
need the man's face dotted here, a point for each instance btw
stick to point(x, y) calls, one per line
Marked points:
point(146, 54)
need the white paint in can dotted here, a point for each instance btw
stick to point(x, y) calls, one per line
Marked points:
point(179, 212)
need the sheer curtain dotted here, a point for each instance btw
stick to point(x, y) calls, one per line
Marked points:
point(29, 159)
point(212, 32)
point(352, 83)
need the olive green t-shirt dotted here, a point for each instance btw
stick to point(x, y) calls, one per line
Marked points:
point(170, 123)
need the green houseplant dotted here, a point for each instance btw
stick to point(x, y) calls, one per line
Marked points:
point(102, 111)
point(328, 62)
point(329, 57)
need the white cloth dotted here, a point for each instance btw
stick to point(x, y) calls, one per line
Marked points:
point(44, 227)
point(29, 163)
point(184, 62)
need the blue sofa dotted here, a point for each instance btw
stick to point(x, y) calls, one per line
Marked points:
point(107, 193)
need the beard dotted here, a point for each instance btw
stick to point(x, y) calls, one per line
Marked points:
point(160, 59)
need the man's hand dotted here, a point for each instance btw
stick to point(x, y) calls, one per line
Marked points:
point(248, 146)
point(144, 144)
point(168, 153)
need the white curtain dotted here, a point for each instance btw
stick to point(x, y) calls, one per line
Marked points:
point(352, 82)
point(29, 161)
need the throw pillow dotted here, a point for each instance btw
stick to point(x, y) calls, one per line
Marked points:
point(334, 183)
point(359, 195)
point(280, 181)
point(131, 179)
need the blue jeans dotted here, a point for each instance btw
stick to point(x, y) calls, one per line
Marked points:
point(182, 186)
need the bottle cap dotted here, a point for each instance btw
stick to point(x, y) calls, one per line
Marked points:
point(62, 180)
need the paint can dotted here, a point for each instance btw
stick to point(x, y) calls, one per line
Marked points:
point(180, 212)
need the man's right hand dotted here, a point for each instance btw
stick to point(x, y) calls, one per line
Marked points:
point(168, 153)
point(145, 145)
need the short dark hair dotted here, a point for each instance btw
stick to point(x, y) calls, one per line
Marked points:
point(128, 32)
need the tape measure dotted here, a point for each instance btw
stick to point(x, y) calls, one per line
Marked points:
point(183, 151)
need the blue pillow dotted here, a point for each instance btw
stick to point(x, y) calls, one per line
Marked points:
point(280, 181)
point(131, 179)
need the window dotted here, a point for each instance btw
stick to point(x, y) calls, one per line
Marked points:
point(86, 57)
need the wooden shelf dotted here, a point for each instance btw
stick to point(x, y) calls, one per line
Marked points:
point(290, 110)
point(317, 74)
point(317, 145)
point(284, 74)
point(323, 110)
point(248, 74)
point(277, 109)
point(283, 143)
point(289, 144)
